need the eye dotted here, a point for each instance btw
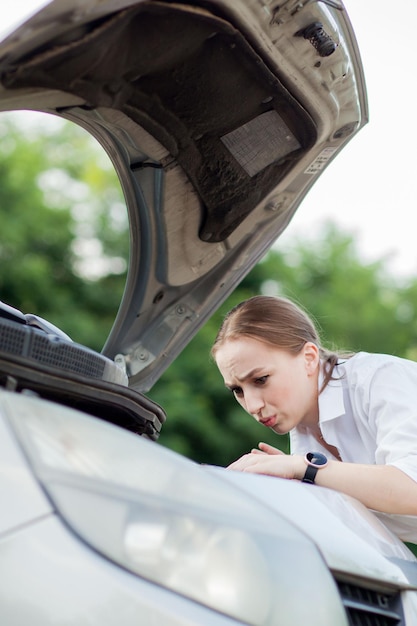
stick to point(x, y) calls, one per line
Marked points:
point(261, 380)
point(236, 391)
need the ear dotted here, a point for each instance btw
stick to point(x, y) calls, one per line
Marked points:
point(311, 357)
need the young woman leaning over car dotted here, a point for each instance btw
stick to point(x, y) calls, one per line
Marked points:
point(352, 418)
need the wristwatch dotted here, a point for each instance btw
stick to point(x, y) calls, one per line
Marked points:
point(315, 461)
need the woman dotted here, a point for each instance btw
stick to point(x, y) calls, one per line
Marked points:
point(352, 418)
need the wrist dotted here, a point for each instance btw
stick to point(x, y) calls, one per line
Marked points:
point(314, 462)
point(299, 466)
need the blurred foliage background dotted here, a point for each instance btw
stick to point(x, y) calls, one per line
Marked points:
point(63, 255)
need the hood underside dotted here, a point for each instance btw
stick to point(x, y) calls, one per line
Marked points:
point(217, 118)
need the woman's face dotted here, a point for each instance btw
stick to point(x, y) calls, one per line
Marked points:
point(279, 389)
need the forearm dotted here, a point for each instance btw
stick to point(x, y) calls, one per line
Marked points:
point(379, 487)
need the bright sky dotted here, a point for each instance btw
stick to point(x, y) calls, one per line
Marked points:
point(368, 189)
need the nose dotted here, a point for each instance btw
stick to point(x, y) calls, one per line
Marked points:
point(254, 403)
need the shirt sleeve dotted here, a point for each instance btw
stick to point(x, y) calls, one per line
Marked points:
point(389, 398)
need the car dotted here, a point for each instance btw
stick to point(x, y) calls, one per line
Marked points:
point(218, 117)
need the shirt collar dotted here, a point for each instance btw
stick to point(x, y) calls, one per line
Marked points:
point(331, 404)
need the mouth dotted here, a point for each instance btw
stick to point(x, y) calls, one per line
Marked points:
point(269, 422)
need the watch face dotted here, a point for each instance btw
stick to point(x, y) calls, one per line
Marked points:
point(316, 459)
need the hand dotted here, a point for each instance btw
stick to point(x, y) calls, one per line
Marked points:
point(271, 461)
point(265, 448)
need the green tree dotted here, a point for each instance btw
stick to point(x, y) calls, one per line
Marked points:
point(58, 199)
point(63, 251)
point(356, 307)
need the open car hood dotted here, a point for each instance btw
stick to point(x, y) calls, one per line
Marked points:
point(218, 117)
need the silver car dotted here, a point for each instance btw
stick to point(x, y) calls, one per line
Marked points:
point(218, 116)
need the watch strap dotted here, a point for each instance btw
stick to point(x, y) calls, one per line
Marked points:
point(310, 475)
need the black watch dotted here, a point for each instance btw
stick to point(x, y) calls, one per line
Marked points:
point(315, 461)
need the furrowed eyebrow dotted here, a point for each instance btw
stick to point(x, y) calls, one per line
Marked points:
point(250, 374)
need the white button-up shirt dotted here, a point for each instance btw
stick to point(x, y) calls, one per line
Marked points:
point(369, 413)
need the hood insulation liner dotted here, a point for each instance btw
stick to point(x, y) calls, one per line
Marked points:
point(192, 81)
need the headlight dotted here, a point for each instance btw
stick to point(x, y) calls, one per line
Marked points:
point(167, 519)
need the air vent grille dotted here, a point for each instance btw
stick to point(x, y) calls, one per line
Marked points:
point(67, 356)
point(38, 347)
point(367, 607)
point(12, 338)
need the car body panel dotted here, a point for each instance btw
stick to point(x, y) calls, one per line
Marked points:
point(218, 117)
point(343, 540)
point(212, 169)
point(50, 577)
point(368, 549)
point(18, 487)
point(77, 460)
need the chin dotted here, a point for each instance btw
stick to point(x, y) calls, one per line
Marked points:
point(279, 430)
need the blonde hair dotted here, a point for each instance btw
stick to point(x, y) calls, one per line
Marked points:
point(278, 322)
